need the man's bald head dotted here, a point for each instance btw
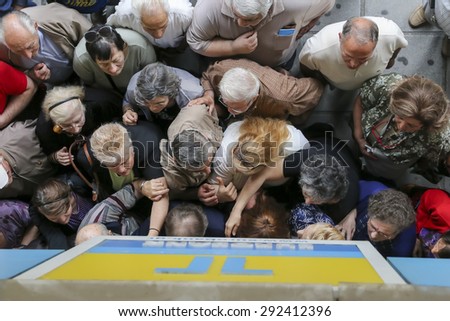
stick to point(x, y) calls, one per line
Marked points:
point(358, 40)
point(90, 231)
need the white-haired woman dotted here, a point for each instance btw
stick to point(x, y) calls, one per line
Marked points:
point(64, 117)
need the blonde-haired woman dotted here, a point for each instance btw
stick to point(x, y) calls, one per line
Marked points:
point(320, 231)
point(248, 146)
point(64, 117)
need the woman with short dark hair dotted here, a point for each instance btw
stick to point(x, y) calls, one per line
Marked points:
point(107, 57)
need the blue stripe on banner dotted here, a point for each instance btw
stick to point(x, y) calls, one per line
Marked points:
point(164, 245)
point(227, 252)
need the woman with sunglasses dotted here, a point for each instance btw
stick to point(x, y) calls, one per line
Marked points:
point(65, 117)
point(57, 211)
point(398, 120)
point(107, 57)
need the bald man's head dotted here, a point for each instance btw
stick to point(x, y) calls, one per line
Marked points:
point(358, 40)
point(90, 231)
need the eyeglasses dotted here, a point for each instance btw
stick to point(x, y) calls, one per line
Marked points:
point(376, 230)
point(104, 32)
point(235, 111)
point(74, 125)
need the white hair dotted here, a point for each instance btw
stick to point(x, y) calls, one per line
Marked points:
point(22, 18)
point(150, 7)
point(248, 8)
point(239, 84)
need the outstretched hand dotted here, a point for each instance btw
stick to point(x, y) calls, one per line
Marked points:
point(232, 224)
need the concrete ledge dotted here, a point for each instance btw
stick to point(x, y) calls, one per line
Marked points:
point(391, 292)
point(45, 290)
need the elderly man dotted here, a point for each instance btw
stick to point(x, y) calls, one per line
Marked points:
point(41, 41)
point(163, 22)
point(242, 87)
point(23, 164)
point(266, 31)
point(345, 54)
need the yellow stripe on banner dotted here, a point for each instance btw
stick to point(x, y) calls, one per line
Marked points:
point(166, 267)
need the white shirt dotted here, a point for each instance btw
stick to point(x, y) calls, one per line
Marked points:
point(223, 160)
point(180, 17)
point(322, 52)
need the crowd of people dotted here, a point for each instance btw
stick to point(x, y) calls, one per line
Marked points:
point(185, 118)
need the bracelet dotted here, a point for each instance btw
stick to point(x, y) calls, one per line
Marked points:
point(141, 186)
point(154, 229)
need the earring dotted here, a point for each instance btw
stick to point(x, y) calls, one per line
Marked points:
point(57, 129)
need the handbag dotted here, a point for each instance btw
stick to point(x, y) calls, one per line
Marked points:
point(81, 142)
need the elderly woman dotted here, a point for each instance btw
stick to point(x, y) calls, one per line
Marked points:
point(385, 217)
point(328, 182)
point(64, 117)
point(159, 91)
point(116, 156)
point(398, 120)
point(58, 211)
point(107, 57)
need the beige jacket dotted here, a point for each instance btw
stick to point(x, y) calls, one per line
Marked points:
point(65, 26)
point(194, 117)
